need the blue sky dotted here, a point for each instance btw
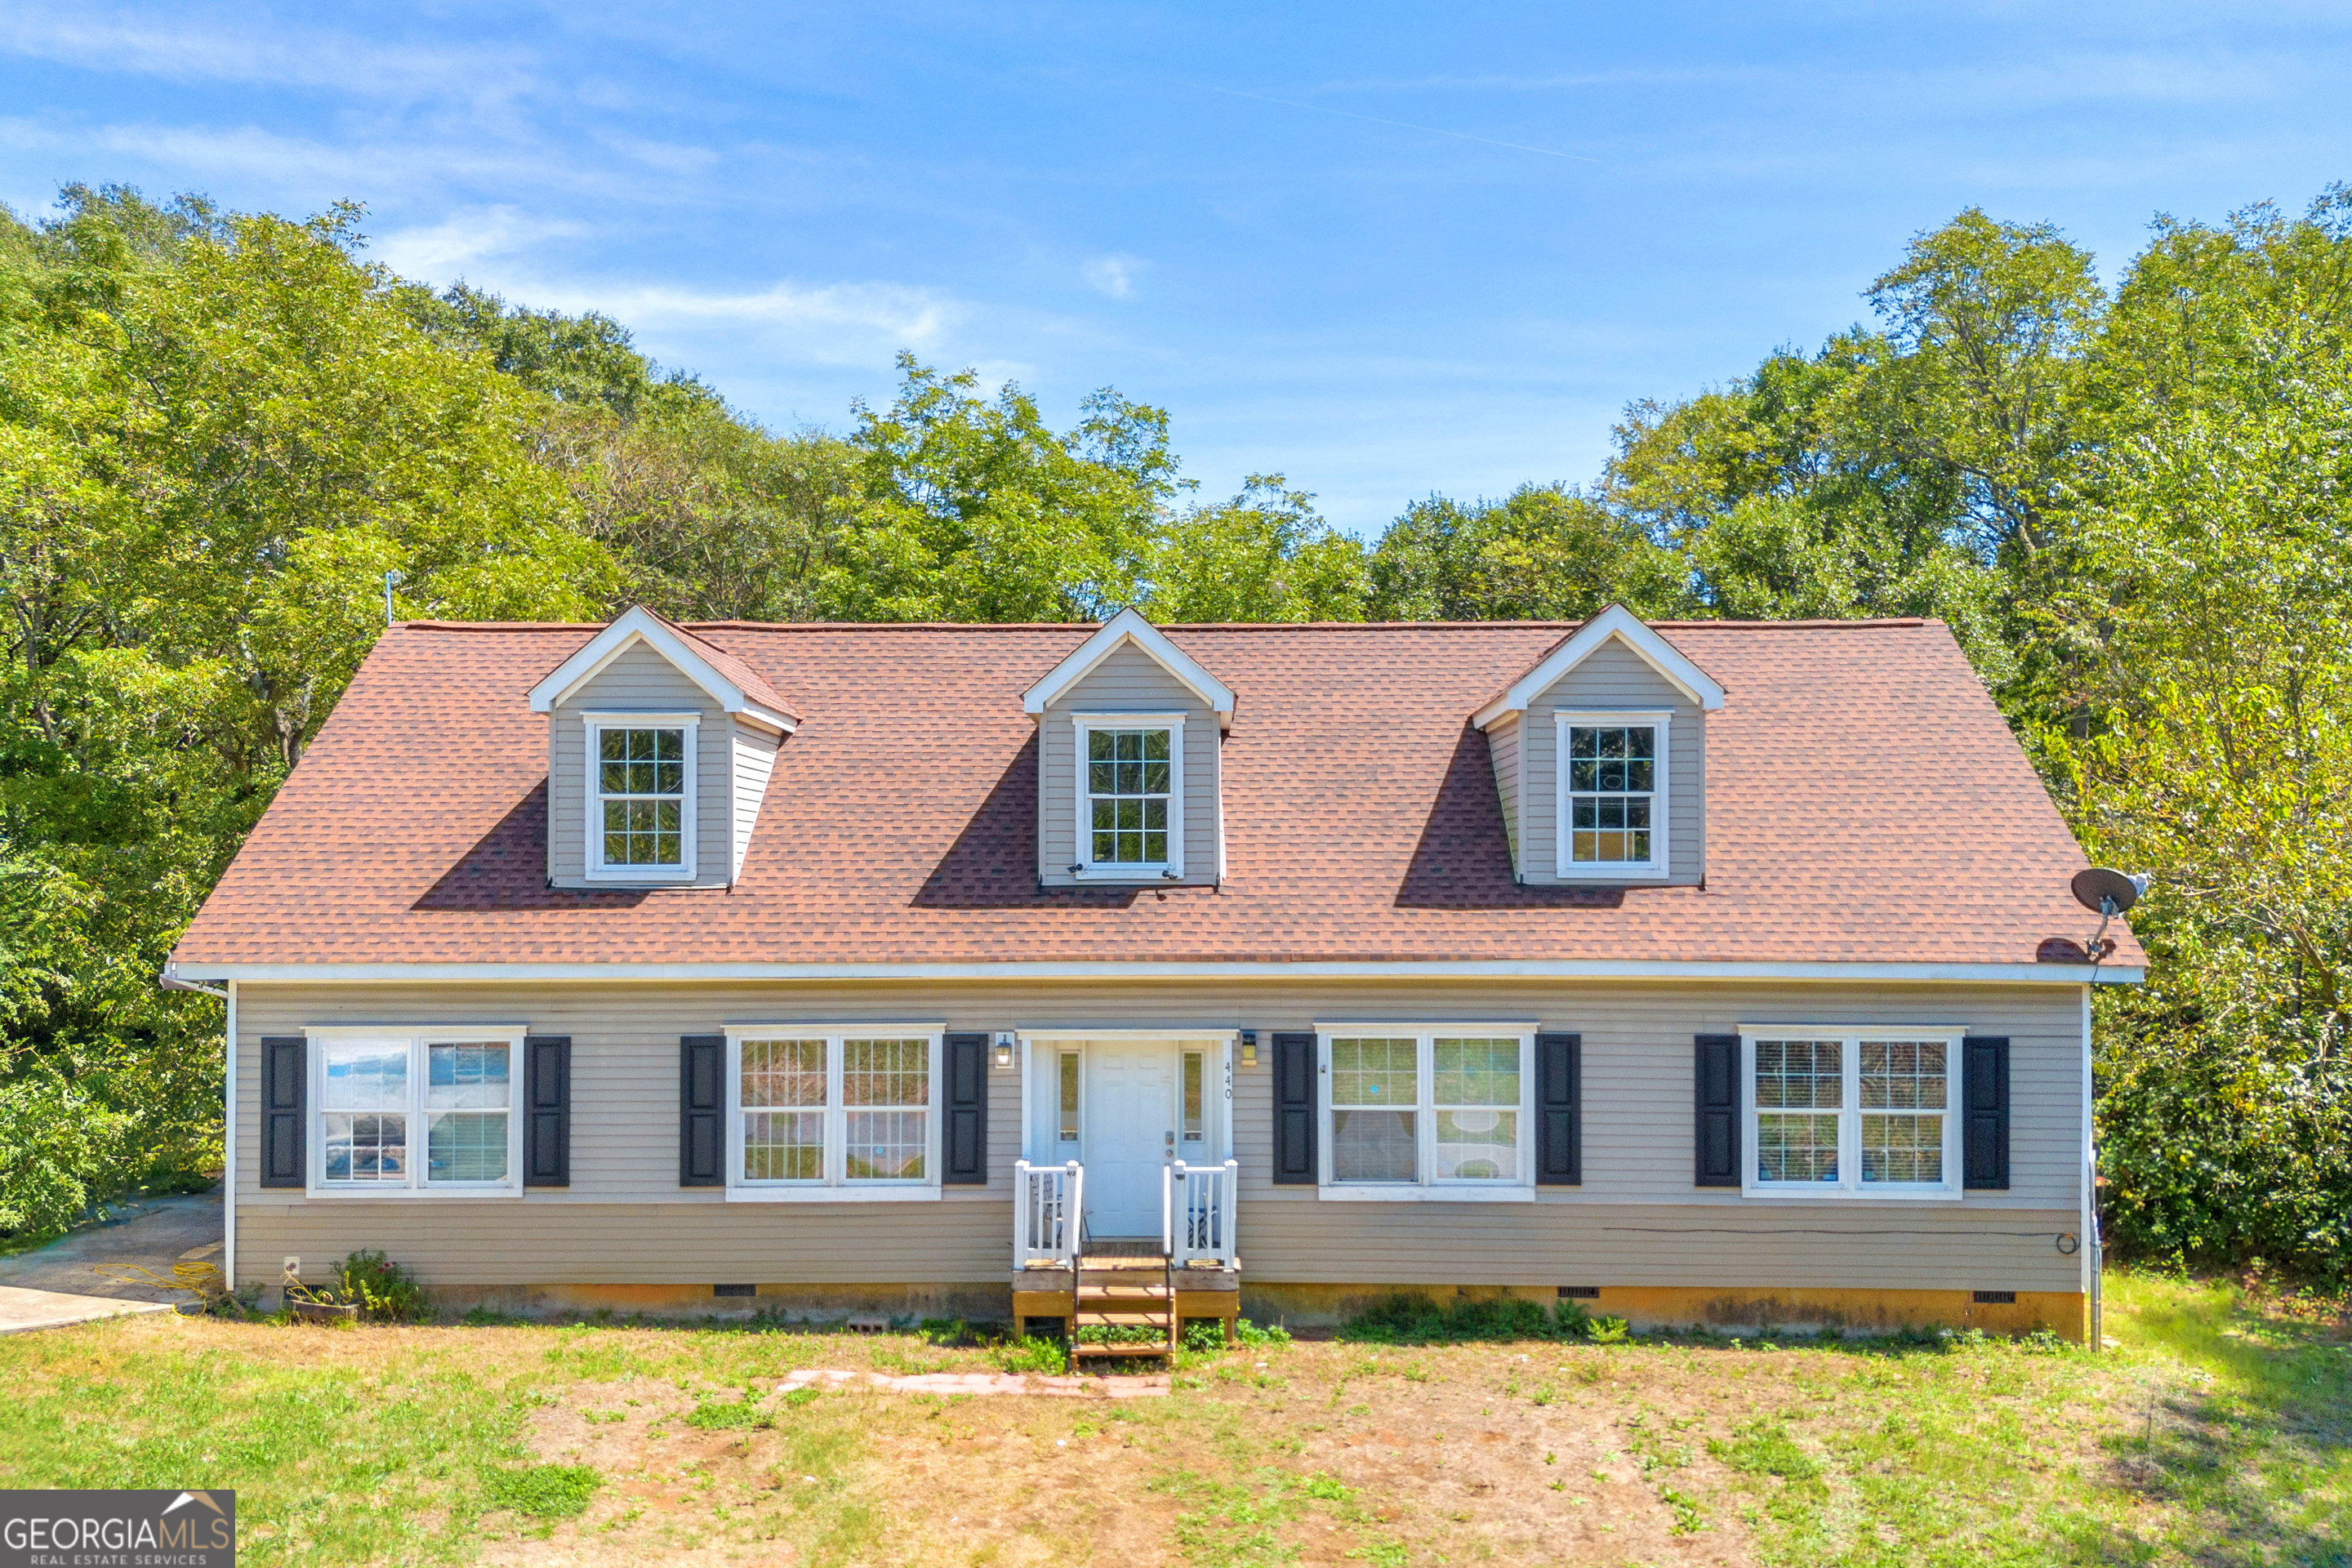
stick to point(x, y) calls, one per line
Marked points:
point(1385, 250)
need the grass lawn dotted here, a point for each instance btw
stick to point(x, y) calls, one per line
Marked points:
point(2217, 1434)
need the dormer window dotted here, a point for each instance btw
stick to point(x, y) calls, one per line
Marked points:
point(1612, 793)
point(640, 793)
point(1130, 794)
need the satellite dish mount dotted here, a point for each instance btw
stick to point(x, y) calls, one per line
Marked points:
point(2109, 892)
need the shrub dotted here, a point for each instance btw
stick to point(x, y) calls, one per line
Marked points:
point(383, 1290)
point(1408, 1319)
point(543, 1491)
point(1250, 1334)
point(1024, 1354)
point(60, 1152)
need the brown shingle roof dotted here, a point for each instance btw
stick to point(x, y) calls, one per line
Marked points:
point(1866, 804)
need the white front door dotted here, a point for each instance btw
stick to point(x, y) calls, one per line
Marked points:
point(1130, 1120)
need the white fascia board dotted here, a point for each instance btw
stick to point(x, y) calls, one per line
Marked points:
point(1335, 969)
point(641, 625)
point(1625, 626)
point(1130, 626)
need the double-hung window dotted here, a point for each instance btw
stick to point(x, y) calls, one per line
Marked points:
point(1428, 1111)
point(1859, 1112)
point(398, 1112)
point(834, 1111)
point(641, 796)
point(1612, 816)
point(1130, 822)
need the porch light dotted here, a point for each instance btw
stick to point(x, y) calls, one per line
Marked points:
point(1003, 1051)
point(1249, 1048)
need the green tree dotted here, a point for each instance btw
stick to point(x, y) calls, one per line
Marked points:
point(1543, 552)
point(1264, 555)
point(970, 509)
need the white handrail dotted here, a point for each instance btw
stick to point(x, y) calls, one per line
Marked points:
point(1196, 1209)
point(1046, 1203)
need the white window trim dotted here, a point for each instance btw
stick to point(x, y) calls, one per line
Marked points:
point(833, 1187)
point(1851, 1188)
point(1572, 870)
point(1425, 1187)
point(1083, 818)
point(591, 810)
point(415, 1038)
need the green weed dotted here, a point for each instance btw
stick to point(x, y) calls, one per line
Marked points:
point(542, 1492)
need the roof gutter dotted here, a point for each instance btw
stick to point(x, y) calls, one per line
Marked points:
point(1264, 970)
point(170, 979)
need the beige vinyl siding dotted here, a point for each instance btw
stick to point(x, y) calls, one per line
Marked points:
point(1614, 676)
point(1637, 1220)
point(755, 760)
point(1503, 738)
point(1127, 679)
point(639, 678)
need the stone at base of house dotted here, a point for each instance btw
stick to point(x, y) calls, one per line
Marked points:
point(901, 1306)
point(1728, 1309)
point(1647, 1308)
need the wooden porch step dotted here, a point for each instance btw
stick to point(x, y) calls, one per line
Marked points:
point(1138, 1290)
point(1118, 1319)
point(1086, 1351)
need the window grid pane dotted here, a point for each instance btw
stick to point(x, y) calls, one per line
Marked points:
point(363, 1105)
point(1905, 1091)
point(1128, 780)
point(885, 1144)
point(1799, 1074)
point(1375, 1072)
point(466, 1078)
point(784, 1145)
point(1195, 1087)
point(1068, 1131)
point(1372, 1144)
point(1475, 1094)
point(641, 778)
point(1611, 782)
point(367, 1148)
point(1796, 1148)
point(465, 1146)
point(1902, 1148)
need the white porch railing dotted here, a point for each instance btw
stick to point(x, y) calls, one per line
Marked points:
point(1046, 1203)
point(1197, 1213)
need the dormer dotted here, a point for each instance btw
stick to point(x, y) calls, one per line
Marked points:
point(1600, 753)
point(659, 745)
point(1129, 770)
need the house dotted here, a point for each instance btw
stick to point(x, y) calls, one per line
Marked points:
point(1705, 973)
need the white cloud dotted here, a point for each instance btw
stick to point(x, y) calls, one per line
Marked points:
point(252, 50)
point(824, 323)
point(444, 250)
point(1114, 274)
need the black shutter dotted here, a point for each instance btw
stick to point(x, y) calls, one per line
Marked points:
point(547, 1091)
point(967, 1129)
point(1560, 1110)
point(285, 1097)
point(1295, 1110)
point(701, 1098)
point(1719, 1111)
point(1984, 1088)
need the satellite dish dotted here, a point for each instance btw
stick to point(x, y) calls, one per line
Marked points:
point(2108, 892)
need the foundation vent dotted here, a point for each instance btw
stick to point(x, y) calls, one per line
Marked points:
point(1996, 1298)
point(1580, 1292)
point(734, 1289)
